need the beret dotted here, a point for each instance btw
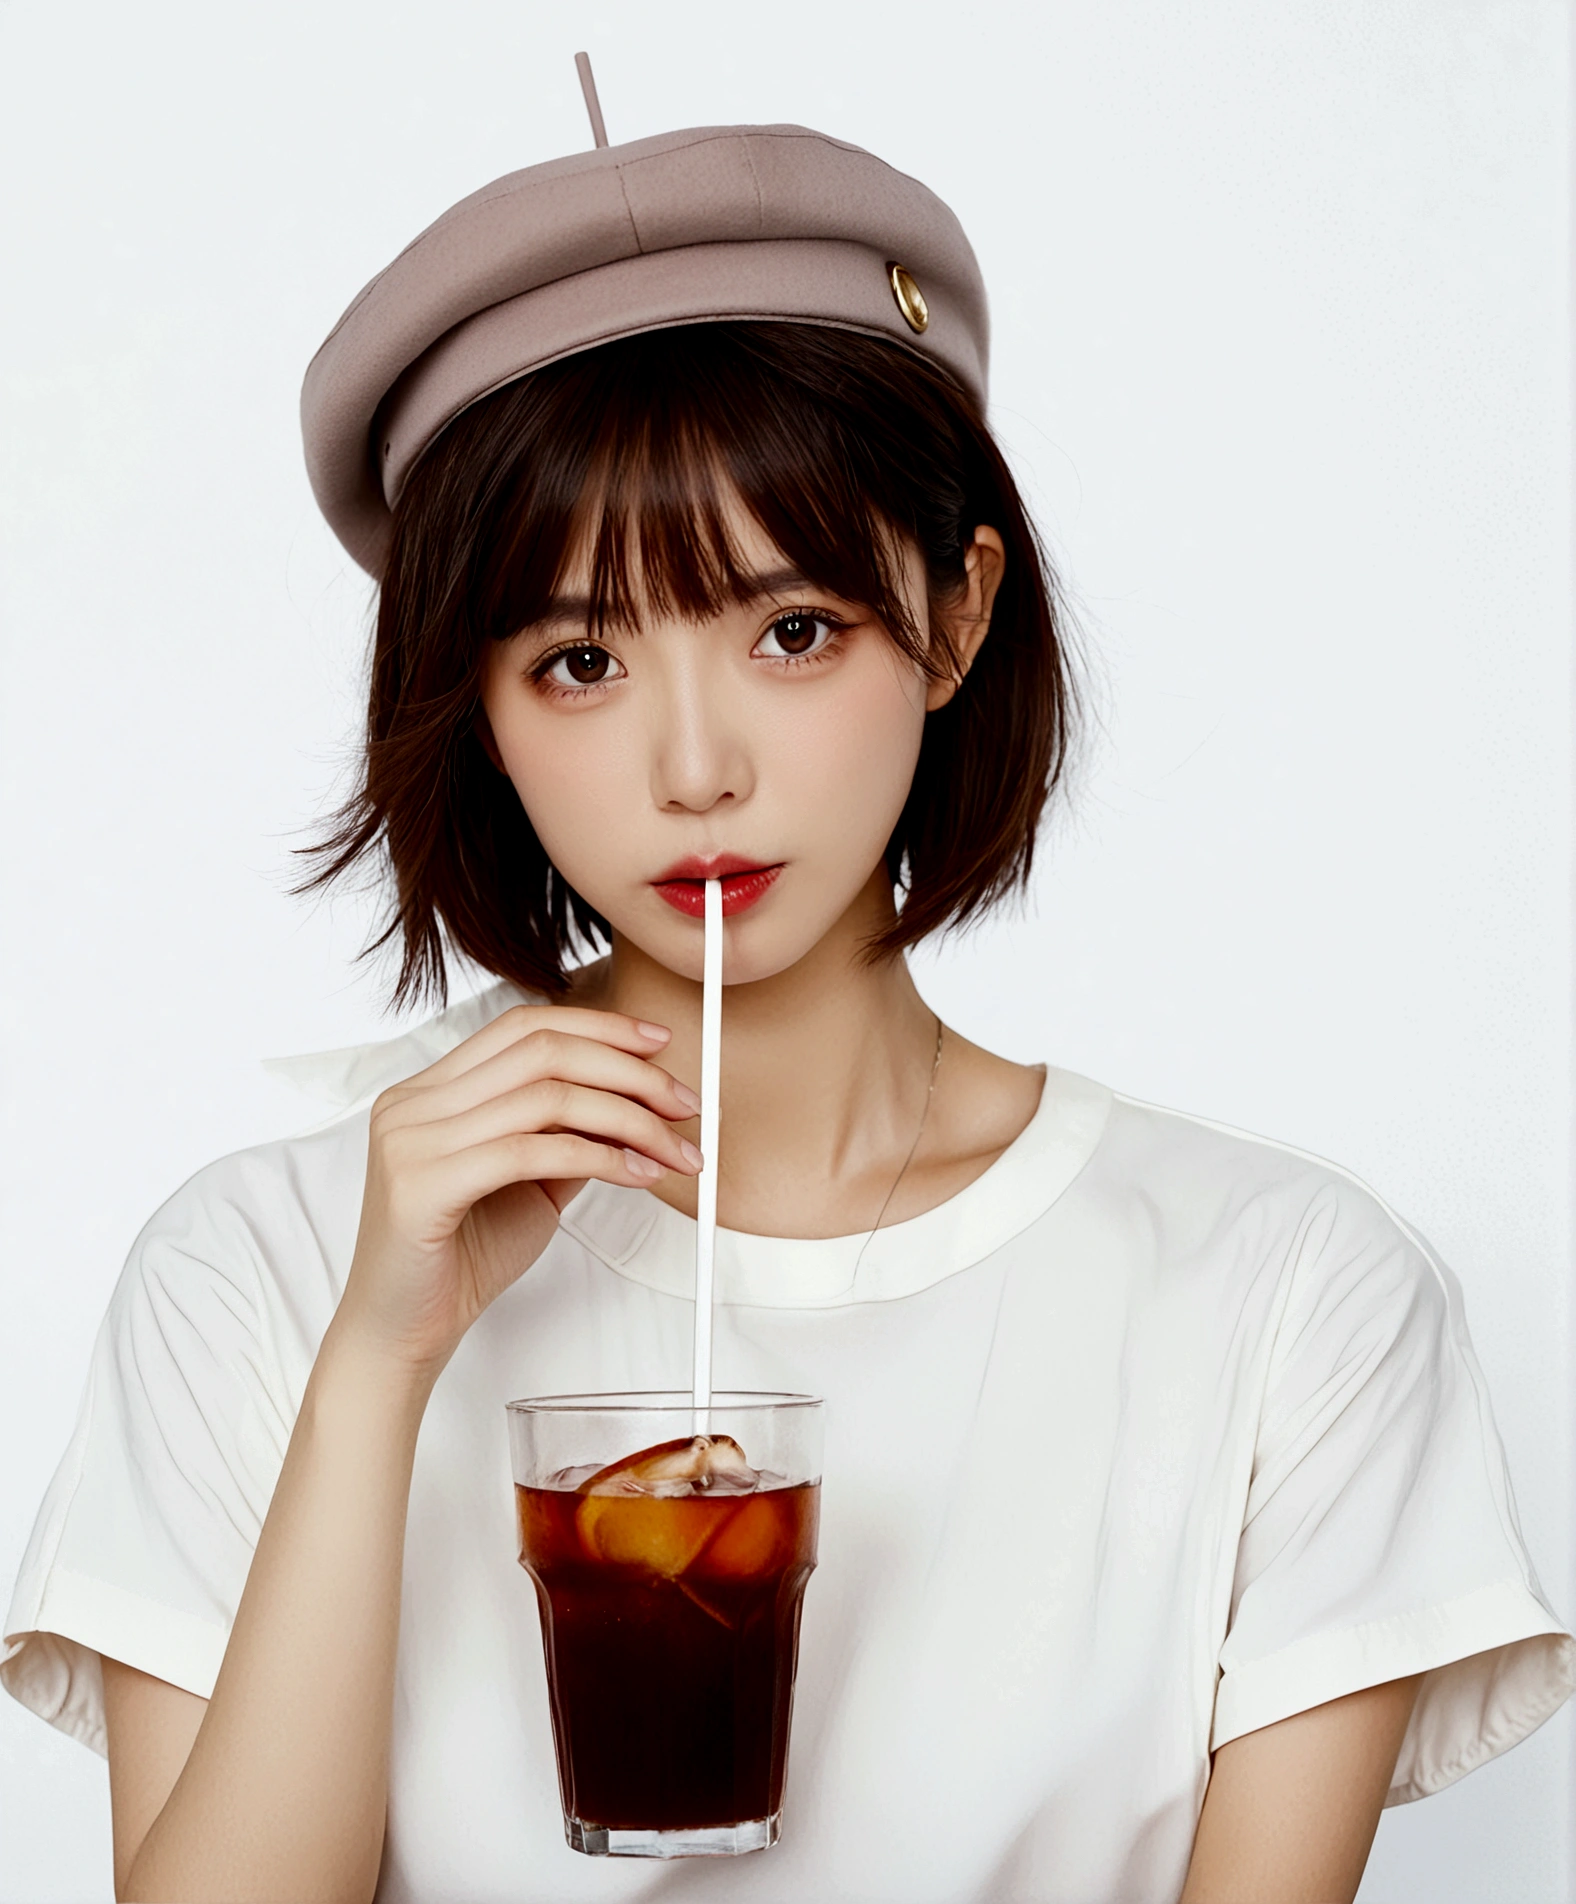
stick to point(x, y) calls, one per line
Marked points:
point(762, 223)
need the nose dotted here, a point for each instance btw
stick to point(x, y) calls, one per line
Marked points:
point(698, 750)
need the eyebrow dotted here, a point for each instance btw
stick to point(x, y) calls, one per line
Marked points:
point(574, 611)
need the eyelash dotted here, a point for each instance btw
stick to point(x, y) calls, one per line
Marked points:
point(557, 690)
point(834, 624)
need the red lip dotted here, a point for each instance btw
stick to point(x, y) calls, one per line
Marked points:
point(712, 866)
point(744, 882)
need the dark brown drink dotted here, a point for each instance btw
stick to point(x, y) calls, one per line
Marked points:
point(670, 1621)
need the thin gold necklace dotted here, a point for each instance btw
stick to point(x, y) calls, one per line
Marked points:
point(935, 1066)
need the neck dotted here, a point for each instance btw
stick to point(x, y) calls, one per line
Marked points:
point(825, 1071)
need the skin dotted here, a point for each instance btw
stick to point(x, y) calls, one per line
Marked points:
point(697, 738)
point(1291, 1810)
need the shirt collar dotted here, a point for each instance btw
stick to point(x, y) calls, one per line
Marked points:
point(642, 1239)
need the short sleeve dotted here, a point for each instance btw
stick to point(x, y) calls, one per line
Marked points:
point(143, 1543)
point(1380, 1536)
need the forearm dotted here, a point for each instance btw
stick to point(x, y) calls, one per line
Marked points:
point(284, 1793)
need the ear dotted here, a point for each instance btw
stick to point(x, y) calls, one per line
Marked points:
point(968, 618)
point(485, 735)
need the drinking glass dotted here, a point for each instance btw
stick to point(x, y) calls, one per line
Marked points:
point(669, 1547)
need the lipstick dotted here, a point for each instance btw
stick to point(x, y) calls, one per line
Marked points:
point(744, 882)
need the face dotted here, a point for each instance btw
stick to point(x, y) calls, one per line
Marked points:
point(773, 745)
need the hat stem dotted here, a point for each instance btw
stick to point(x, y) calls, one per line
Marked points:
point(593, 105)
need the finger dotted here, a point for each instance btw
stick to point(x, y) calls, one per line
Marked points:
point(611, 1028)
point(552, 1104)
point(540, 1055)
point(537, 1157)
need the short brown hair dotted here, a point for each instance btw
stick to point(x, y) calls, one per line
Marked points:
point(832, 441)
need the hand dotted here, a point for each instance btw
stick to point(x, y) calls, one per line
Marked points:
point(471, 1161)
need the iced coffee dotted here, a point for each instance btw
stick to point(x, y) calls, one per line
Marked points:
point(669, 1581)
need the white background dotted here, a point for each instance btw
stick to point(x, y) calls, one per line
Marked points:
point(1280, 295)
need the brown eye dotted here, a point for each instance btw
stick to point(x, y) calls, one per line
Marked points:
point(795, 634)
point(583, 667)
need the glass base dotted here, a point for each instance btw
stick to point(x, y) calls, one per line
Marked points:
point(704, 1841)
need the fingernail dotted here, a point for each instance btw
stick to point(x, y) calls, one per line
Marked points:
point(641, 1165)
point(659, 1034)
point(690, 1154)
point(686, 1096)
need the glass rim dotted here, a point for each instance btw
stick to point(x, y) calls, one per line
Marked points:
point(659, 1401)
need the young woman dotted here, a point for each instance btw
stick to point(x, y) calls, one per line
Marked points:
point(1166, 1534)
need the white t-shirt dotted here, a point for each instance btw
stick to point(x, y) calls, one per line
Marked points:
point(1153, 1435)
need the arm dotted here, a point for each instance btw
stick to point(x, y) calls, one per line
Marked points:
point(333, 1540)
point(163, 1721)
point(282, 1794)
point(276, 1789)
point(1291, 1810)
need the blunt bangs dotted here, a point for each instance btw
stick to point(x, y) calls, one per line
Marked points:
point(621, 467)
point(653, 459)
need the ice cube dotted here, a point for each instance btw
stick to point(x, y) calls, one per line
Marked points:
point(568, 1480)
point(700, 1464)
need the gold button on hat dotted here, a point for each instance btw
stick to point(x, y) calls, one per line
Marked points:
point(910, 299)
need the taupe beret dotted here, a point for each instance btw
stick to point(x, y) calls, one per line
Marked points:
point(748, 222)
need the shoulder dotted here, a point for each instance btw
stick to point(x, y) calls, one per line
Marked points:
point(1212, 1190)
point(244, 1264)
point(242, 1207)
point(272, 1227)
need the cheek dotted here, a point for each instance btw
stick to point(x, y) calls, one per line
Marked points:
point(579, 783)
point(572, 776)
point(848, 756)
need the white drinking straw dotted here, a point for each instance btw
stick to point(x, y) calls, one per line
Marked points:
point(710, 1094)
